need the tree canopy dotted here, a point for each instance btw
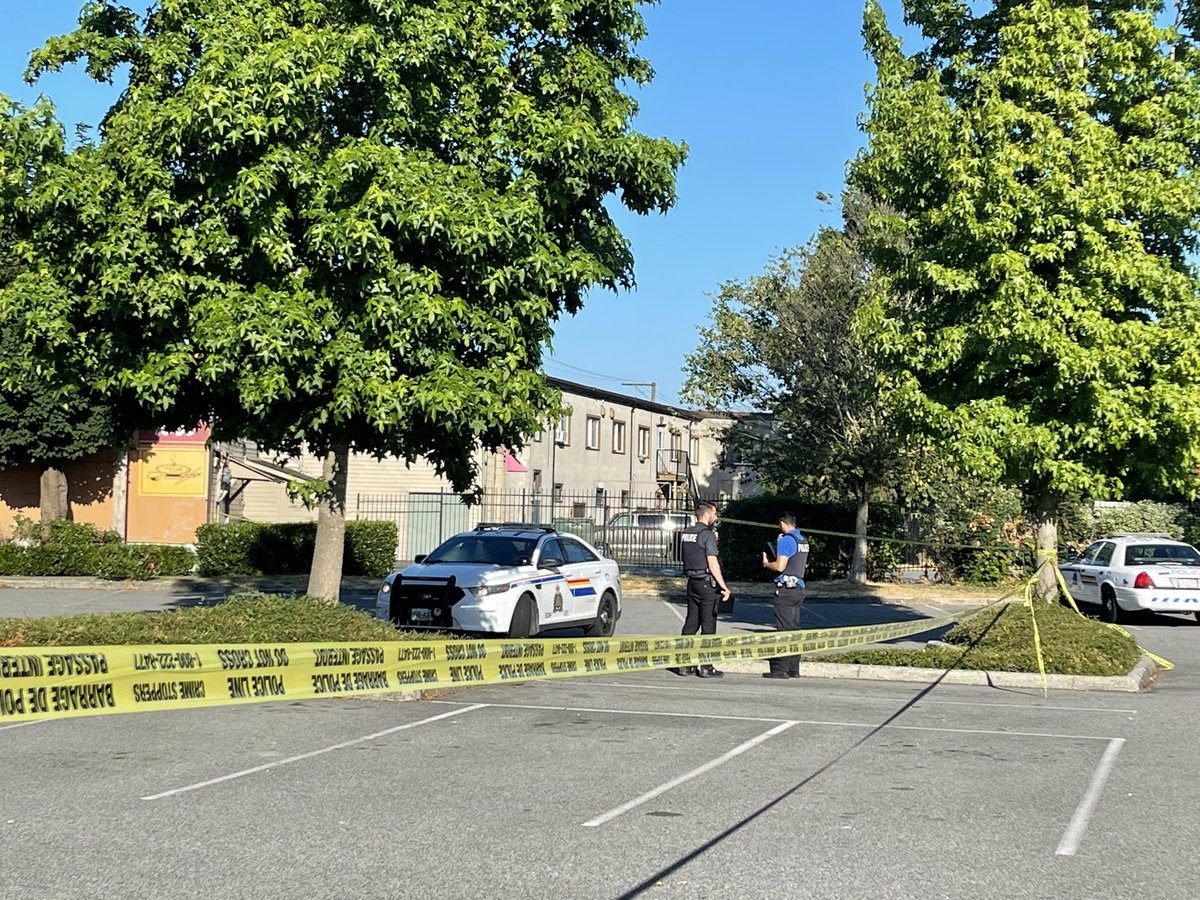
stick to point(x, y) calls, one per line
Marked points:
point(1038, 159)
point(42, 423)
point(349, 224)
point(784, 341)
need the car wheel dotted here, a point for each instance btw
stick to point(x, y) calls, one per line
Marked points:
point(1197, 615)
point(1109, 610)
point(605, 623)
point(522, 620)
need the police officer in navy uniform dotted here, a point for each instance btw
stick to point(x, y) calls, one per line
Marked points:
point(791, 558)
point(705, 581)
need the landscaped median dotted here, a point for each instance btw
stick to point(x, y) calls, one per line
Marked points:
point(994, 647)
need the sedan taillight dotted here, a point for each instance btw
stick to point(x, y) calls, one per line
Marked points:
point(1143, 580)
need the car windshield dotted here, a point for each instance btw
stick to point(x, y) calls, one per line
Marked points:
point(499, 550)
point(1161, 554)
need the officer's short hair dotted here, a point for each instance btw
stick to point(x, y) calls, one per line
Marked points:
point(788, 519)
point(704, 506)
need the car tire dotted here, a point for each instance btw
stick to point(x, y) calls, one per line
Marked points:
point(605, 623)
point(1197, 615)
point(522, 619)
point(1110, 610)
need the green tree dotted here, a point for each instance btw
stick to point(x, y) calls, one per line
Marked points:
point(349, 224)
point(1039, 159)
point(41, 423)
point(783, 341)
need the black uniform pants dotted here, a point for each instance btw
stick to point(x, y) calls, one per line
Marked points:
point(787, 618)
point(702, 600)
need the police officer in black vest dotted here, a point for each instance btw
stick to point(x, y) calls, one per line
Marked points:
point(791, 559)
point(705, 581)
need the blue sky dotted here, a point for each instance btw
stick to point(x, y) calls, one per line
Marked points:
point(766, 93)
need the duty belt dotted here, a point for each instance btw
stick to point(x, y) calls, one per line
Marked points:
point(697, 574)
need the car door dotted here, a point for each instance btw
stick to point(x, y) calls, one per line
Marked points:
point(1093, 570)
point(585, 577)
point(553, 593)
point(1073, 575)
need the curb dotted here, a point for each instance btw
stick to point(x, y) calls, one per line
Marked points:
point(1134, 681)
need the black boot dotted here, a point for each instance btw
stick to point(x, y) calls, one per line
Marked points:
point(709, 672)
point(685, 670)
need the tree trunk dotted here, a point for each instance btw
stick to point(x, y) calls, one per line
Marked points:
point(858, 562)
point(1046, 525)
point(325, 579)
point(52, 494)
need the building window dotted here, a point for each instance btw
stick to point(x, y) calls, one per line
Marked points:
point(625, 499)
point(558, 492)
point(562, 431)
point(694, 449)
point(618, 442)
point(601, 498)
point(643, 441)
point(593, 432)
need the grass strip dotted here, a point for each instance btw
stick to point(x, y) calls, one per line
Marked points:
point(242, 619)
point(1001, 640)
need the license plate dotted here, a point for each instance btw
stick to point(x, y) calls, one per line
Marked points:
point(421, 615)
point(1189, 583)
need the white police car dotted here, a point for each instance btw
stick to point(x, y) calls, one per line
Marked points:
point(1128, 572)
point(512, 579)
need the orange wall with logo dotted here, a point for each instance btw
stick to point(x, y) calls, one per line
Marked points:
point(169, 476)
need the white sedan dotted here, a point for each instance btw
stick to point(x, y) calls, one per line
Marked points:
point(1128, 572)
point(511, 579)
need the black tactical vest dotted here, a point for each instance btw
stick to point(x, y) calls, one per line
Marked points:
point(695, 560)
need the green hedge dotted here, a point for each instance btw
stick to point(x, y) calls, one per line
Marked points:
point(829, 557)
point(77, 549)
point(266, 548)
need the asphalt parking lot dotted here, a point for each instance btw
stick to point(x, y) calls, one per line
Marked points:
point(647, 784)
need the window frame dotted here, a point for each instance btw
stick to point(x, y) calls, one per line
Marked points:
point(589, 432)
point(619, 437)
point(643, 444)
point(562, 430)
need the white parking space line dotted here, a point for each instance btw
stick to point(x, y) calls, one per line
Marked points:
point(687, 776)
point(1083, 813)
point(1038, 734)
point(863, 697)
point(673, 608)
point(310, 755)
point(22, 724)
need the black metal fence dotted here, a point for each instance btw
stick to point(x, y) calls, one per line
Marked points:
point(642, 532)
point(636, 530)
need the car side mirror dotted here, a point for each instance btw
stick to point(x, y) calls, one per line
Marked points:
point(1072, 555)
point(550, 562)
point(420, 557)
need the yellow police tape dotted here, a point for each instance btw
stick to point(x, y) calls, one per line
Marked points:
point(53, 682)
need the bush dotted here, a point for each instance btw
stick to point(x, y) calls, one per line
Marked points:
point(370, 548)
point(829, 557)
point(241, 619)
point(77, 549)
point(978, 533)
point(224, 549)
point(1000, 639)
point(266, 548)
point(1145, 515)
